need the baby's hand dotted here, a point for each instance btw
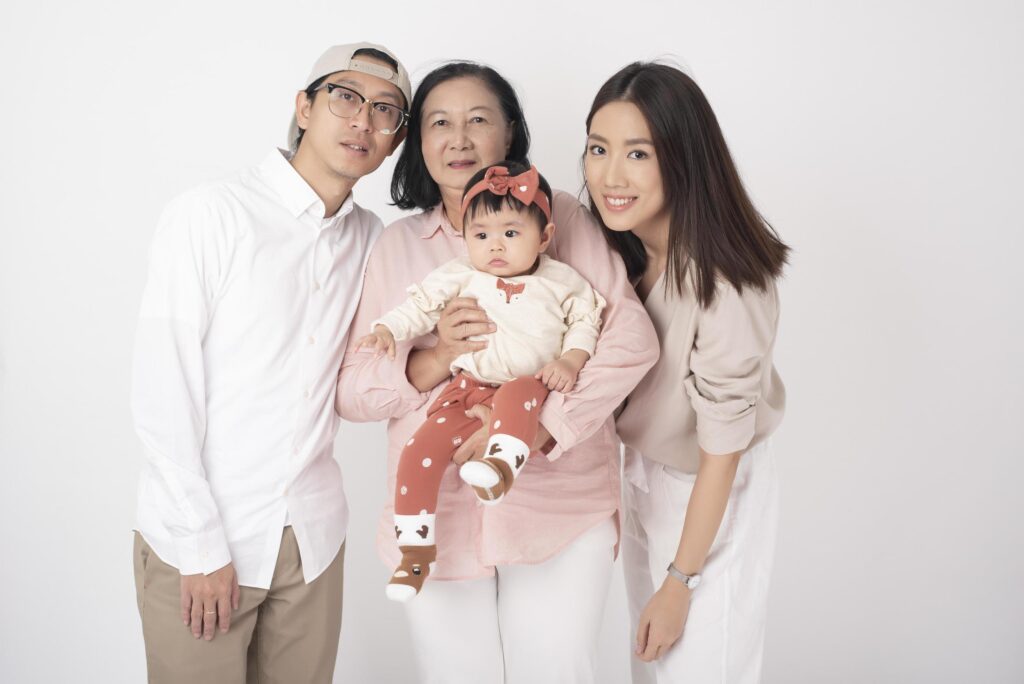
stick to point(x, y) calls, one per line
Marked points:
point(381, 340)
point(559, 375)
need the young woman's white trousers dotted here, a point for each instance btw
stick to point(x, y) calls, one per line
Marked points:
point(723, 640)
point(532, 624)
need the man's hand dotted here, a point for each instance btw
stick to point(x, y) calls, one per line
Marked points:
point(209, 599)
point(381, 340)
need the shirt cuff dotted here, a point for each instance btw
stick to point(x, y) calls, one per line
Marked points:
point(202, 553)
point(409, 395)
point(584, 340)
point(396, 329)
point(723, 427)
point(553, 420)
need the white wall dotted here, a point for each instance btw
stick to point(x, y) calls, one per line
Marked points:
point(883, 139)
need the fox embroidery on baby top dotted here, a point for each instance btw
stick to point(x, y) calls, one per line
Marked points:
point(511, 289)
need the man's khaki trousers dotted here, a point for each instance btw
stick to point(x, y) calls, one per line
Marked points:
point(288, 633)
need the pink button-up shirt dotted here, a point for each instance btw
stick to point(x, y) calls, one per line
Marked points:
point(556, 498)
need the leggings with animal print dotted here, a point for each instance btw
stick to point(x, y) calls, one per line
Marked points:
point(515, 407)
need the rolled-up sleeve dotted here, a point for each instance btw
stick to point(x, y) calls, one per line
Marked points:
point(372, 387)
point(734, 340)
point(188, 258)
point(626, 348)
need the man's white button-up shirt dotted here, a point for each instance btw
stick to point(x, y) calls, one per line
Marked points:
point(241, 332)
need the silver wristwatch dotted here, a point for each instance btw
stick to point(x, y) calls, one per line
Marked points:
point(691, 581)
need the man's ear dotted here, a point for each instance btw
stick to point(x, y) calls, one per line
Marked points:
point(303, 106)
point(547, 236)
point(399, 137)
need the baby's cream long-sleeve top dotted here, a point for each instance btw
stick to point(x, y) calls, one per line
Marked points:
point(538, 316)
point(715, 386)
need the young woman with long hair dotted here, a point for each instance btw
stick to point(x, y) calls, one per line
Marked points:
point(700, 501)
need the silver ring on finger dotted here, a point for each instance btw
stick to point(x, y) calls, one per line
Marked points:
point(209, 612)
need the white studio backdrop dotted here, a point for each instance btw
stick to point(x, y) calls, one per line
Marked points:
point(882, 139)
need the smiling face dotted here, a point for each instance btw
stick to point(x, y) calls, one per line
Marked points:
point(463, 130)
point(507, 242)
point(622, 171)
point(347, 148)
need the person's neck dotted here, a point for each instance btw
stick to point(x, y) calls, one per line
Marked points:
point(654, 236)
point(331, 188)
point(452, 201)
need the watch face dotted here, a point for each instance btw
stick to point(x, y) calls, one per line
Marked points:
point(693, 582)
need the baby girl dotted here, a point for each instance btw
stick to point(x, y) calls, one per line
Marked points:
point(548, 319)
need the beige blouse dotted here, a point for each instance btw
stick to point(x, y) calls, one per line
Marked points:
point(714, 386)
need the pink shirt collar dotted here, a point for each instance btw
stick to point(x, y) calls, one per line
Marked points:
point(434, 220)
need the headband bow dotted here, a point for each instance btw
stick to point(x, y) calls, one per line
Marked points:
point(525, 187)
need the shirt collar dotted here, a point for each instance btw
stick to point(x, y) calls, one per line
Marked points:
point(435, 220)
point(297, 196)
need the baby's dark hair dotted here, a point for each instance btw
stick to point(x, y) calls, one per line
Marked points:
point(490, 203)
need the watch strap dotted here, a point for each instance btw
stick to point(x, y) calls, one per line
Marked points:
point(687, 580)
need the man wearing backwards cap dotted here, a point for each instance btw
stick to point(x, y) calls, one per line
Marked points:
point(253, 283)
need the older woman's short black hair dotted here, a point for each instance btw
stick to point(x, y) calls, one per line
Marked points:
point(411, 184)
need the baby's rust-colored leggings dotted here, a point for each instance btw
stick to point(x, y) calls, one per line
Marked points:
point(515, 407)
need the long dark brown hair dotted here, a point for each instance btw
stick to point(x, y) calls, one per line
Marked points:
point(714, 229)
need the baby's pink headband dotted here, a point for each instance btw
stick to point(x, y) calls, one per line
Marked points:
point(525, 187)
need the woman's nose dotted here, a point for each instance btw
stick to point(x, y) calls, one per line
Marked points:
point(614, 174)
point(459, 140)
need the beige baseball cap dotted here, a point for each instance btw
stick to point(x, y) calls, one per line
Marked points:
point(342, 58)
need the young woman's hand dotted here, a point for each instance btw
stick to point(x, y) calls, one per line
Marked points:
point(460, 320)
point(662, 621)
point(381, 340)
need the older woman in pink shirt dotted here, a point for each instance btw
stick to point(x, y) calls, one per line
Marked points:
point(551, 544)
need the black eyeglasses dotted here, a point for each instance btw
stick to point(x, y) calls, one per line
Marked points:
point(345, 103)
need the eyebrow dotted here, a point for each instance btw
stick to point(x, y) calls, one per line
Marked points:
point(445, 111)
point(479, 225)
point(355, 85)
point(630, 141)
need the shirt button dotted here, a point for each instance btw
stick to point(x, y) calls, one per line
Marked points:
point(311, 340)
point(308, 394)
point(316, 286)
